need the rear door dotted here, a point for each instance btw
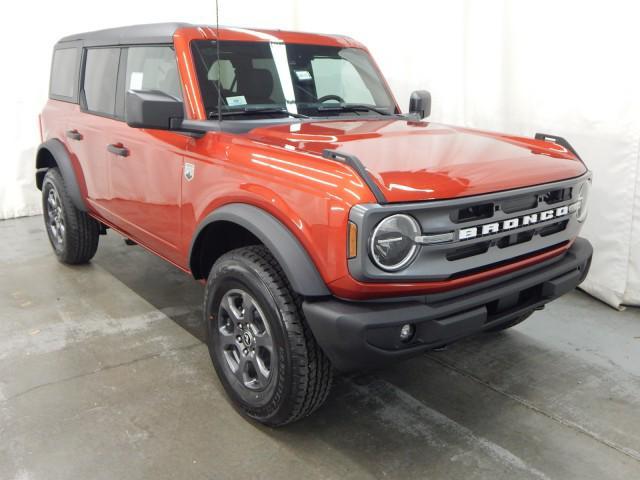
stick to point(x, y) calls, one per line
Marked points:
point(88, 126)
point(146, 165)
point(63, 92)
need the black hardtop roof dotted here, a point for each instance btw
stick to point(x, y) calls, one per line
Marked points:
point(151, 33)
point(133, 34)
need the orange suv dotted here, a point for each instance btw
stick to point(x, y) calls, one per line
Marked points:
point(332, 230)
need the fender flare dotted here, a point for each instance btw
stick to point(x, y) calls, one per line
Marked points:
point(285, 247)
point(61, 156)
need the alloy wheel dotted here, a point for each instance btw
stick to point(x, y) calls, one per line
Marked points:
point(54, 216)
point(245, 339)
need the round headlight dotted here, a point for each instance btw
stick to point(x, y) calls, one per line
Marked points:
point(392, 243)
point(583, 197)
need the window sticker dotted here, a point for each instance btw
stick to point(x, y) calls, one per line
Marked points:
point(236, 101)
point(303, 75)
point(136, 81)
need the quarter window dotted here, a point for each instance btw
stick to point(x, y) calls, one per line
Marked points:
point(153, 68)
point(100, 79)
point(64, 73)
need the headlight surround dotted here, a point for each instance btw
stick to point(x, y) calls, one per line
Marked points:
point(583, 197)
point(392, 245)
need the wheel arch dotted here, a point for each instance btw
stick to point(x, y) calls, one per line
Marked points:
point(52, 154)
point(250, 224)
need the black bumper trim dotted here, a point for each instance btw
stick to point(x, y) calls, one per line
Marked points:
point(357, 335)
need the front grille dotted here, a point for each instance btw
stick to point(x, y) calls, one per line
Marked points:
point(508, 207)
point(488, 246)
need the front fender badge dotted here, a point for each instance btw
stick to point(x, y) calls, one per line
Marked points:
point(189, 171)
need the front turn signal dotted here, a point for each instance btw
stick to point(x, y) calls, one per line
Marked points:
point(352, 240)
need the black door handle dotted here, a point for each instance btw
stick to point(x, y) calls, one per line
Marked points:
point(74, 134)
point(118, 149)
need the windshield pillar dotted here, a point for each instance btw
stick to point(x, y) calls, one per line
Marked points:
point(279, 52)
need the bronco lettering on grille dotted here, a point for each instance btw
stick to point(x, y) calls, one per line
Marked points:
point(512, 223)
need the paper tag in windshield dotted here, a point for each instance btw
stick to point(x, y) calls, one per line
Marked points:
point(303, 75)
point(136, 81)
point(236, 101)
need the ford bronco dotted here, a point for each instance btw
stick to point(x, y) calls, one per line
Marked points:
point(331, 230)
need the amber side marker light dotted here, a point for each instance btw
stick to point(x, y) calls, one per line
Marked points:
point(352, 240)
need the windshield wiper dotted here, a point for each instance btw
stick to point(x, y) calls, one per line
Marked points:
point(350, 107)
point(255, 111)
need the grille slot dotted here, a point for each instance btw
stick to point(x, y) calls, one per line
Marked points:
point(553, 228)
point(475, 212)
point(556, 196)
point(468, 251)
point(515, 239)
point(519, 203)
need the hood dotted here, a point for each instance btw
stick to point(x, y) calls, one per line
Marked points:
point(417, 161)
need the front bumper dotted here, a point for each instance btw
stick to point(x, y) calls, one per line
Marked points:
point(358, 335)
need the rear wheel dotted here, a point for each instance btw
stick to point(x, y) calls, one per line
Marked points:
point(266, 357)
point(511, 323)
point(73, 234)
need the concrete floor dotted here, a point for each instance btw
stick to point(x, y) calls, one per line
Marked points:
point(103, 376)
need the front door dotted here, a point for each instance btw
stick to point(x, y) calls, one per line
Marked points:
point(146, 165)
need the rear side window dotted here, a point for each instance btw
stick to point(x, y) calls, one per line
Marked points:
point(100, 80)
point(64, 74)
point(153, 68)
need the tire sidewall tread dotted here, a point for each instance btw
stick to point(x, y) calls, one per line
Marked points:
point(81, 231)
point(304, 373)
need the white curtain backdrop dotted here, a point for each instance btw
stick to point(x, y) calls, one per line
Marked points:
point(568, 68)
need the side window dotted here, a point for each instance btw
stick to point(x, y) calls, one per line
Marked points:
point(153, 68)
point(100, 79)
point(64, 73)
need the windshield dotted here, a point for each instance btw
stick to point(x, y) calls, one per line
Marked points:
point(274, 79)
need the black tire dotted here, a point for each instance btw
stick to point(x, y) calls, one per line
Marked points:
point(511, 323)
point(299, 375)
point(73, 234)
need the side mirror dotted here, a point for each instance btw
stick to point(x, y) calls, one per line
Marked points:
point(153, 109)
point(420, 103)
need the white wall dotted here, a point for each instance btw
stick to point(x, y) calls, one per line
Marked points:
point(563, 67)
point(31, 28)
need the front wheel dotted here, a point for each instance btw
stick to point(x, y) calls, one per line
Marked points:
point(264, 354)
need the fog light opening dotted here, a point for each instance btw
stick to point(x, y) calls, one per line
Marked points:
point(406, 332)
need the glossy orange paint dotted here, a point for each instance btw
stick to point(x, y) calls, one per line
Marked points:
point(419, 161)
point(280, 170)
